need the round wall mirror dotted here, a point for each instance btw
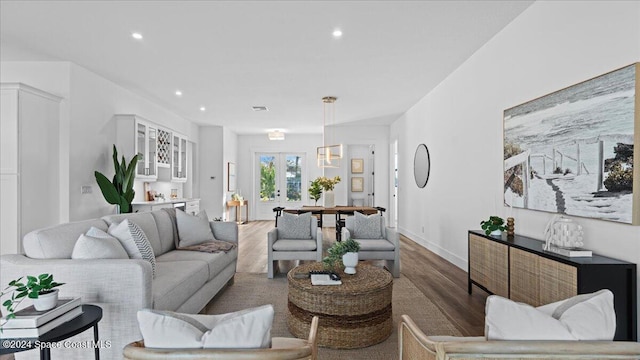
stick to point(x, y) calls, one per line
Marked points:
point(421, 165)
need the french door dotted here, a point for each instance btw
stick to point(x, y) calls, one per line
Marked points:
point(279, 182)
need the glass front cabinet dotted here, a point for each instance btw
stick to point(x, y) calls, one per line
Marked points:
point(147, 149)
point(179, 158)
point(135, 135)
point(156, 147)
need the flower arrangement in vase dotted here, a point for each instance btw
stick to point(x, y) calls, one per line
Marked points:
point(327, 185)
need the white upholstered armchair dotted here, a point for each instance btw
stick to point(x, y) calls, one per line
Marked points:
point(377, 241)
point(297, 237)
point(414, 344)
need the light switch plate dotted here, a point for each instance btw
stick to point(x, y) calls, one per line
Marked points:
point(86, 189)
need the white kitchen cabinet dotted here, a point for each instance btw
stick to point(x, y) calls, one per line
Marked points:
point(150, 206)
point(136, 135)
point(164, 148)
point(179, 158)
point(29, 163)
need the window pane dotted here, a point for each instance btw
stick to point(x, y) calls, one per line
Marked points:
point(267, 178)
point(294, 178)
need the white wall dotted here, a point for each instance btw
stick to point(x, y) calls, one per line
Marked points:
point(212, 172)
point(229, 154)
point(550, 46)
point(87, 126)
point(363, 135)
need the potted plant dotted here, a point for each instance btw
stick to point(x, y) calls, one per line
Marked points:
point(119, 191)
point(327, 186)
point(40, 289)
point(315, 190)
point(493, 226)
point(347, 251)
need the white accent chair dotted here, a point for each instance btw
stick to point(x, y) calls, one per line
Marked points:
point(281, 248)
point(281, 349)
point(415, 344)
point(387, 249)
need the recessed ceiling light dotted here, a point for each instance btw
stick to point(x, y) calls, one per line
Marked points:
point(178, 93)
point(337, 33)
point(136, 36)
point(202, 108)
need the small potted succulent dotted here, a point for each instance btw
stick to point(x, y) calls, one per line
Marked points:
point(347, 251)
point(41, 290)
point(494, 226)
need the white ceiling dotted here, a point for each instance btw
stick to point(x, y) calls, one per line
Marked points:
point(229, 56)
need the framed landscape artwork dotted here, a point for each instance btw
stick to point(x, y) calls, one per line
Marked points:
point(576, 151)
point(357, 184)
point(357, 166)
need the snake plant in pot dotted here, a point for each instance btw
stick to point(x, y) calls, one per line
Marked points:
point(119, 191)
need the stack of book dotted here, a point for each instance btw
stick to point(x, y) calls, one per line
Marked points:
point(324, 279)
point(30, 323)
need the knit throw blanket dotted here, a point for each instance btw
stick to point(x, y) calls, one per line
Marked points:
point(213, 246)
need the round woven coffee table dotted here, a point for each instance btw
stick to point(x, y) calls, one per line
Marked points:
point(353, 315)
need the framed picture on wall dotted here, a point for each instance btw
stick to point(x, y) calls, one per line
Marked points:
point(571, 151)
point(231, 176)
point(357, 166)
point(357, 184)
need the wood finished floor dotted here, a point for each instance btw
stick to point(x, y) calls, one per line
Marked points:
point(440, 281)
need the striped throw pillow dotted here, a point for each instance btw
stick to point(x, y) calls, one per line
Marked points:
point(134, 241)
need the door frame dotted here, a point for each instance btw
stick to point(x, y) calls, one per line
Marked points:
point(260, 215)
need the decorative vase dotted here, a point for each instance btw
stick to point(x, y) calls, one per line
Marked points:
point(328, 199)
point(46, 301)
point(497, 232)
point(511, 226)
point(350, 261)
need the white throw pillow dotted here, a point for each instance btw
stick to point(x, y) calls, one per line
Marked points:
point(246, 329)
point(587, 316)
point(295, 227)
point(250, 328)
point(166, 329)
point(508, 320)
point(193, 230)
point(134, 241)
point(97, 244)
point(367, 227)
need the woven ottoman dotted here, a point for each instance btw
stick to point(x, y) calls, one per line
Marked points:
point(353, 315)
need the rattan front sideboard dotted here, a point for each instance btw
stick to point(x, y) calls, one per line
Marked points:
point(517, 267)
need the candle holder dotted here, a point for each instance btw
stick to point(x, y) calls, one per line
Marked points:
point(511, 227)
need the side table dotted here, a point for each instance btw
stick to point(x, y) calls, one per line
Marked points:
point(91, 315)
point(238, 204)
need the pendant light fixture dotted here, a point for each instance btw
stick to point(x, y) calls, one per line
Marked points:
point(328, 155)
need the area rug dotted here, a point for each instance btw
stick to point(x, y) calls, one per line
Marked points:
point(251, 290)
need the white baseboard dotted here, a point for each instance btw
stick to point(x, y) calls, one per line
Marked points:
point(436, 249)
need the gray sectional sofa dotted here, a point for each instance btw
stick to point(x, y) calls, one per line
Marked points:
point(185, 281)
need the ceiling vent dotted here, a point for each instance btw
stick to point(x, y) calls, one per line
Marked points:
point(259, 108)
